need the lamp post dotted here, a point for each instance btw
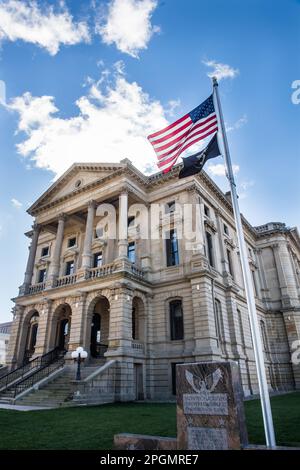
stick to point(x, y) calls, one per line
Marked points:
point(79, 356)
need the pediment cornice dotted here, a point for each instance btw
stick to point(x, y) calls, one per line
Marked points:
point(113, 170)
point(148, 183)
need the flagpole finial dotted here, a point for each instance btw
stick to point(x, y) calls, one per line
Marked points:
point(215, 81)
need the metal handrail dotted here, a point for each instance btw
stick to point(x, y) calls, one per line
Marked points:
point(36, 376)
point(34, 364)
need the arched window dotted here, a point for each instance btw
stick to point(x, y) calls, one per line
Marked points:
point(176, 320)
point(134, 324)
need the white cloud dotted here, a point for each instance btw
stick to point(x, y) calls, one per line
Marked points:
point(47, 28)
point(244, 186)
point(2, 93)
point(17, 204)
point(238, 124)
point(220, 70)
point(172, 106)
point(114, 119)
point(127, 24)
point(219, 169)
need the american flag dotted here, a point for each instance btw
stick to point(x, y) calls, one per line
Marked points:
point(174, 139)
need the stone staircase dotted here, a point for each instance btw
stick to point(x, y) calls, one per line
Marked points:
point(7, 397)
point(59, 391)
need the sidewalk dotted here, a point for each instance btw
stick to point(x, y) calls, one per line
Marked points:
point(25, 408)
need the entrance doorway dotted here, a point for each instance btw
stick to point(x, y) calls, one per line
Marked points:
point(99, 328)
point(31, 337)
point(61, 328)
point(63, 334)
point(95, 347)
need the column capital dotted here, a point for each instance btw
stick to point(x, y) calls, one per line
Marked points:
point(193, 188)
point(62, 217)
point(218, 212)
point(48, 301)
point(92, 204)
point(275, 245)
point(80, 295)
point(36, 227)
point(124, 190)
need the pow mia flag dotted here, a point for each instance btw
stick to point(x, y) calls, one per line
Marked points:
point(195, 163)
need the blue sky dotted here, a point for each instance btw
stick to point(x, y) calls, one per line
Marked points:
point(89, 80)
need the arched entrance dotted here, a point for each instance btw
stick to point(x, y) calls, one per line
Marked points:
point(32, 329)
point(62, 327)
point(99, 328)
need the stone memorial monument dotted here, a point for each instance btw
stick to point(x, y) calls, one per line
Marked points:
point(210, 411)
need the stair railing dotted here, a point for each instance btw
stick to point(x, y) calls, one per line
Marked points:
point(32, 365)
point(43, 372)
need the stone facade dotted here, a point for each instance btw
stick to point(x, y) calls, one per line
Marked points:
point(64, 297)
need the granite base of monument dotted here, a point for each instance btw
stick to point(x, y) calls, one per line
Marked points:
point(210, 410)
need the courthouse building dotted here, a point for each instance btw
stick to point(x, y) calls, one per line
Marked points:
point(140, 306)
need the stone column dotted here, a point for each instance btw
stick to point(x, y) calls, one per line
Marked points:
point(43, 333)
point(78, 320)
point(13, 355)
point(286, 275)
point(55, 261)
point(224, 262)
point(120, 341)
point(198, 243)
point(87, 247)
point(263, 279)
point(123, 224)
point(120, 319)
point(292, 324)
point(145, 255)
point(206, 342)
point(31, 259)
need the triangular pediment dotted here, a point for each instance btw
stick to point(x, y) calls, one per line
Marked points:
point(76, 179)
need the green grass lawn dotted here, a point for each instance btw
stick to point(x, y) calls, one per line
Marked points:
point(94, 427)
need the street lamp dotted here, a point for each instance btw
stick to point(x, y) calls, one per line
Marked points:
point(79, 355)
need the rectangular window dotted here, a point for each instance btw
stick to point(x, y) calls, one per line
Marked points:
point(42, 275)
point(170, 207)
point(226, 231)
point(45, 251)
point(229, 262)
point(97, 262)
point(70, 267)
point(172, 249)
point(206, 211)
point(209, 245)
point(71, 242)
point(131, 252)
point(176, 320)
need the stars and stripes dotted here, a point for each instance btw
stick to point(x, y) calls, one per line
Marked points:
point(174, 139)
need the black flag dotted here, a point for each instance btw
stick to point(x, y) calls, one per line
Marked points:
point(194, 163)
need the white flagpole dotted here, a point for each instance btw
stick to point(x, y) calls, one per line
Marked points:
point(255, 332)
